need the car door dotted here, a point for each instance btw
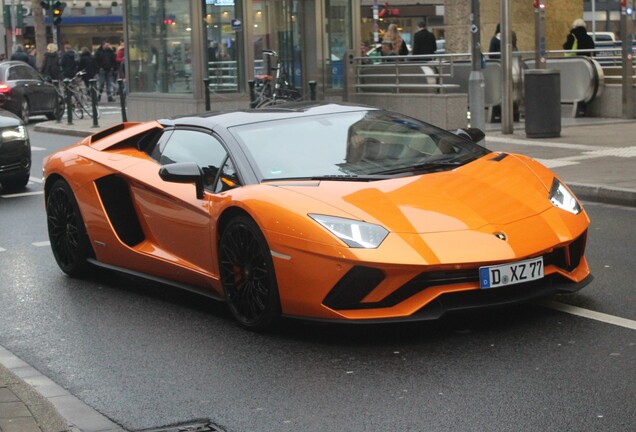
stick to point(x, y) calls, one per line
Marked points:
point(178, 222)
point(19, 86)
point(41, 93)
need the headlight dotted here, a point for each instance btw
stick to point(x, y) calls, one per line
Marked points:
point(354, 233)
point(562, 198)
point(16, 133)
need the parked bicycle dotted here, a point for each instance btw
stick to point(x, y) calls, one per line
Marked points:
point(81, 102)
point(273, 90)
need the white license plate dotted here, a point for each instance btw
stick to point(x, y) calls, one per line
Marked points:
point(511, 273)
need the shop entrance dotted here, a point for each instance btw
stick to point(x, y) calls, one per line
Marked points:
point(277, 27)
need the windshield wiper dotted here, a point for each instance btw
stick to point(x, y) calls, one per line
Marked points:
point(422, 167)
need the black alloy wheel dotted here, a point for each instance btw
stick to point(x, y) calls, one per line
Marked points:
point(67, 233)
point(247, 274)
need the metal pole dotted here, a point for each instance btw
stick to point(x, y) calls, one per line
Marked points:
point(507, 126)
point(476, 83)
point(251, 84)
point(539, 35)
point(312, 90)
point(69, 104)
point(122, 99)
point(92, 88)
point(206, 83)
point(627, 26)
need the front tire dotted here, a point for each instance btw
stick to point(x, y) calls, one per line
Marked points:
point(16, 183)
point(67, 233)
point(247, 274)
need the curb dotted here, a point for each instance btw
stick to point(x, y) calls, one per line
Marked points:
point(52, 407)
point(603, 194)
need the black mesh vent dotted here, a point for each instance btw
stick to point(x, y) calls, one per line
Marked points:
point(115, 196)
point(567, 257)
point(353, 287)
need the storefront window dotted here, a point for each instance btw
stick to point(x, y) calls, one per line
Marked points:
point(339, 39)
point(277, 27)
point(159, 46)
point(222, 24)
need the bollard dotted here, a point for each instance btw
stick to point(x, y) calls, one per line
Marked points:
point(312, 90)
point(251, 83)
point(69, 104)
point(122, 99)
point(93, 92)
point(207, 94)
point(59, 109)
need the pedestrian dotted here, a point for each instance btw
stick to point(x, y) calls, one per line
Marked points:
point(106, 63)
point(20, 54)
point(87, 65)
point(495, 43)
point(51, 65)
point(578, 39)
point(387, 50)
point(68, 62)
point(120, 55)
point(423, 41)
point(494, 48)
point(393, 34)
point(32, 53)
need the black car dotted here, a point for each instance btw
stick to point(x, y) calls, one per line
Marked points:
point(15, 152)
point(24, 92)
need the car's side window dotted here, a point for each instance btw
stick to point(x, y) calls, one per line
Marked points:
point(185, 145)
point(228, 178)
point(14, 74)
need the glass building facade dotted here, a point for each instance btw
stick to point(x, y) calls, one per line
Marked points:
point(178, 49)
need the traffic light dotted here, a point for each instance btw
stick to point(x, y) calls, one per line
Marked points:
point(46, 4)
point(6, 15)
point(57, 10)
point(19, 16)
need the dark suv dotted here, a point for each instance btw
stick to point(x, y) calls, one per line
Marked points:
point(24, 92)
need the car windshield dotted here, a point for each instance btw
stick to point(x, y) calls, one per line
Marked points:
point(364, 144)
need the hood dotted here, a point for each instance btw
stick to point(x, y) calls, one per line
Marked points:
point(496, 189)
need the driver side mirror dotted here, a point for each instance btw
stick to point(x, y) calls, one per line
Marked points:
point(472, 134)
point(184, 172)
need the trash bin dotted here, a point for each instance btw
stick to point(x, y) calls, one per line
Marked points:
point(542, 90)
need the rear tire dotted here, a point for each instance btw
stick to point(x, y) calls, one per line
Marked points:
point(67, 232)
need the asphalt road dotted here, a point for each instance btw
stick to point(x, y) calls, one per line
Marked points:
point(147, 356)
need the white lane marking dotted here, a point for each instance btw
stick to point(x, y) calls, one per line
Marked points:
point(22, 194)
point(2, 250)
point(35, 148)
point(586, 313)
point(35, 179)
point(41, 244)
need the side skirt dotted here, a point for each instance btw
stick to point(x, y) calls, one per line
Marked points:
point(197, 290)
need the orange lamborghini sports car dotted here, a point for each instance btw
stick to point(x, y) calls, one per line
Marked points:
point(319, 211)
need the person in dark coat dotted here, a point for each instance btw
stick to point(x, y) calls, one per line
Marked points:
point(20, 54)
point(68, 62)
point(106, 63)
point(87, 65)
point(423, 41)
point(583, 40)
point(51, 65)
